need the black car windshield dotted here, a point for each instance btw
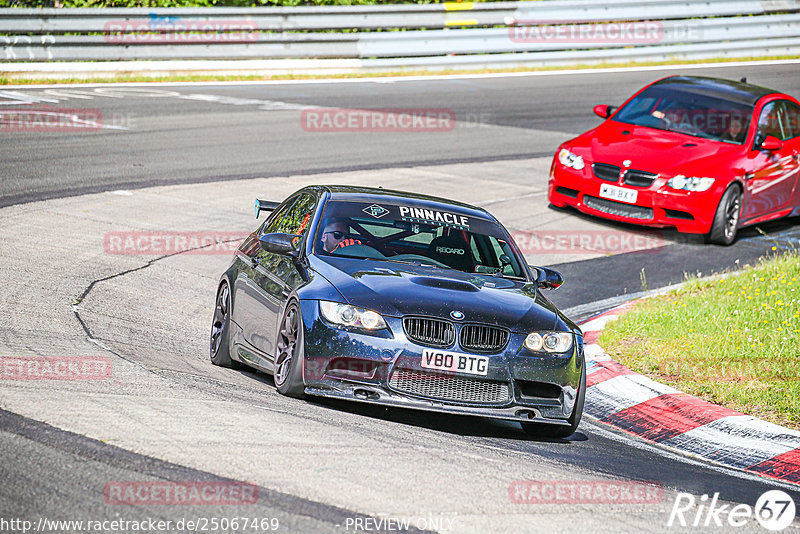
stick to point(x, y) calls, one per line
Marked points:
point(416, 234)
point(686, 112)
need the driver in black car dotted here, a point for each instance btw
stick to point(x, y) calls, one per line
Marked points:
point(334, 233)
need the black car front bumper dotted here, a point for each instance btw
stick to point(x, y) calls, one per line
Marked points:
point(385, 368)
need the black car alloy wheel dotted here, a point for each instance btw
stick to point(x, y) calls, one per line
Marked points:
point(220, 328)
point(289, 353)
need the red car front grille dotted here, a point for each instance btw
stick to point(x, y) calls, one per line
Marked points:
point(639, 178)
point(604, 171)
point(618, 208)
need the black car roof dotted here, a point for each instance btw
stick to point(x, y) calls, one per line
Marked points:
point(740, 92)
point(371, 194)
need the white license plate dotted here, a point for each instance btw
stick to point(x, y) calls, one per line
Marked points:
point(618, 193)
point(457, 363)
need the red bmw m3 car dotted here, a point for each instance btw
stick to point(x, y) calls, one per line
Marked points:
point(702, 155)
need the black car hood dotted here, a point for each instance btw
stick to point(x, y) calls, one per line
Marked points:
point(395, 289)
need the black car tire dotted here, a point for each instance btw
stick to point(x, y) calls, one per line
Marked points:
point(726, 218)
point(221, 329)
point(544, 430)
point(289, 353)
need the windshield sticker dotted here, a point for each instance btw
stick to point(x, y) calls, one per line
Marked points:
point(376, 211)
point(428, 216)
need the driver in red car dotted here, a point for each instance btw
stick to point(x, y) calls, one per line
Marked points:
point(735, 132)
point(333, 235)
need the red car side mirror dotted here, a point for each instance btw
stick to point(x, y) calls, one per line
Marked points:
point(771, 143)
point(602, 110)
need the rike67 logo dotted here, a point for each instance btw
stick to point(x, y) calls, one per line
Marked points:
point(774, 510)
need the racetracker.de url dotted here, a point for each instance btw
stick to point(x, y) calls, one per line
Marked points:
point(114, 526)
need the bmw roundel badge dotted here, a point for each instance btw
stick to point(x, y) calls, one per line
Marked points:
point(457, 315)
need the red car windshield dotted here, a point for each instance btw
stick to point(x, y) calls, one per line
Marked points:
point(688, 113)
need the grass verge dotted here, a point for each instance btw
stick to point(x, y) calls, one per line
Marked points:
point(734, 340)
point(7, 79)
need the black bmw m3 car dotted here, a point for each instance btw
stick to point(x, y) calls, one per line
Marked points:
point(400, 299)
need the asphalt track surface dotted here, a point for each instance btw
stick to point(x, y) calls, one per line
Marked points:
point(227, 135)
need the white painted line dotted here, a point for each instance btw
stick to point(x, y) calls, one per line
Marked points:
point(621, 392)
point(394, 79)
point(596, 325)
point(595, 352)
point(737, 440)
point(16, 99)
point(507, 199)
point(613, 302)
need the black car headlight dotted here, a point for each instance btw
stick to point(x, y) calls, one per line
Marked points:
point(555, 342)
point(350, 316)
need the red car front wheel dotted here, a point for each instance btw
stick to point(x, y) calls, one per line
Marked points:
point(726, 218)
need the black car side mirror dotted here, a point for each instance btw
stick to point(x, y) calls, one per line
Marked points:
point(548, 278)
point(283, 244)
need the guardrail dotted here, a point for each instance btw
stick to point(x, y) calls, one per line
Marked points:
point(464, 33)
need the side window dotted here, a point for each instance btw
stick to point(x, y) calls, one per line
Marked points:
point(769, 123)
point(296, 219)
point(272, 222)
point(792, 115)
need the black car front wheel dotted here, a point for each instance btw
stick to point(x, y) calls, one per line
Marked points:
point(543, 430)
point(220, 329)
point(289, 357)
point(726, 218)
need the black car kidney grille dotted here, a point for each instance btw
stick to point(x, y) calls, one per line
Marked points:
point(639, 178)
point(431, 332)
point(618, 208)
point(480, 338)
point(448, 387)
point(607, 172)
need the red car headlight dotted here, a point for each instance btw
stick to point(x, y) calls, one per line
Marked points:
point(568, 159)
point(690, 184)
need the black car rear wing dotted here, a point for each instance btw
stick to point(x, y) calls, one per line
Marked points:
point(265, 205)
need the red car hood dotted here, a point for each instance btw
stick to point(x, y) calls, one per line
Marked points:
point(651, 150)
